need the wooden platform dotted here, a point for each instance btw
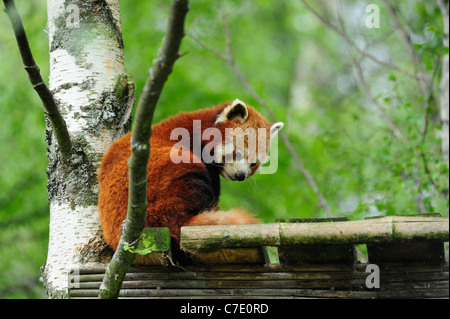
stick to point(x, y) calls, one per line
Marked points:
point(316, 259)
point(256, 281)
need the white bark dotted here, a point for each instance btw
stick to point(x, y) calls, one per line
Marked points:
point(88, 80)
point(69, 230)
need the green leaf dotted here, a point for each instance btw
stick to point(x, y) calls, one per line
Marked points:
point(392, 77)
point(431, 28)
point(417, 46)
point(128, 248)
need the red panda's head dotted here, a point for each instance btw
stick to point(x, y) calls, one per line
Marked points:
point(245, 142)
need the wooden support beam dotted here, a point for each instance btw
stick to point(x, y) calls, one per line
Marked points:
point(385, 229)
point(227, 236)
point(380, 230)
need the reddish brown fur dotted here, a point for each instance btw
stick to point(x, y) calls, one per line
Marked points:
point(176, 193)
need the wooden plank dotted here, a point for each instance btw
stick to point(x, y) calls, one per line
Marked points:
point(420, 228)
point(345, 232)
point(385, 229)
point(267, 294)
point(229, 236)
point(394, 268)
point(388, 275)
point(398, 280)
point(336, 283)
point(236, 293)
point(413, 294)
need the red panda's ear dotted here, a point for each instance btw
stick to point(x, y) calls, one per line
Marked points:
point(275, 128)
point(236, 110)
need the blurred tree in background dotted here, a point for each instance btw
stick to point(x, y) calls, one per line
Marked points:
point(361, 108)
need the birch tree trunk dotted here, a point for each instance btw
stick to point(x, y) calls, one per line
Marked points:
point(89, 83)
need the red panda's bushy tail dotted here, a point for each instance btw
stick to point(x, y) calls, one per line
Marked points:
point(234, 216)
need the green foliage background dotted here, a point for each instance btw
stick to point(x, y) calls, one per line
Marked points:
point(302, 69)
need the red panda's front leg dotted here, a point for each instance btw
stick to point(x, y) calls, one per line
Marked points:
point(177, 192)
point(188, 194)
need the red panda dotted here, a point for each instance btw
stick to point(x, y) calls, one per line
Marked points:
point(182, 186)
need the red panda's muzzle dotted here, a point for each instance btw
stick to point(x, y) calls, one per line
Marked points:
point(239, 176)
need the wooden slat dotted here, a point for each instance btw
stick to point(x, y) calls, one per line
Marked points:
point(336, 283)
point(296, 279)
point(235, 293)
point(229, 236)
point(419, 280)
point(392, 268)
point(385, 229)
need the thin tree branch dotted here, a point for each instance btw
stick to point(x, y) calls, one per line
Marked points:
point(429, 106)
point(429, 100)
point(140, 150)
point(397, 133)
point(395, 130)
point(425, 84)
point(353, 44)
point(228, 57)
point(422, 79)
point(49, 103)
point(421, 205)
point(357, 65)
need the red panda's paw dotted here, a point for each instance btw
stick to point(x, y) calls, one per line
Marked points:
point(218, 217)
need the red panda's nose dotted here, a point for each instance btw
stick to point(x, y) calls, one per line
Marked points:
point(239, 176)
